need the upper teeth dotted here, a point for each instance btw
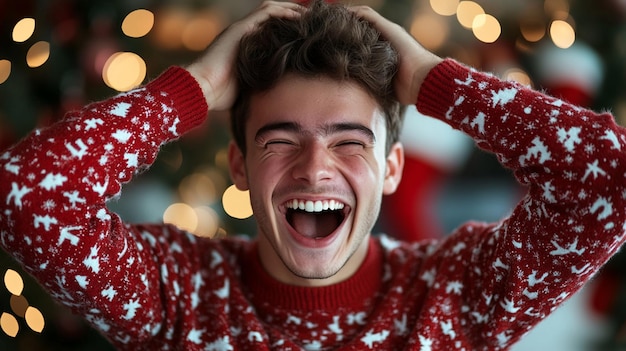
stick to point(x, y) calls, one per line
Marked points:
point(315, 206)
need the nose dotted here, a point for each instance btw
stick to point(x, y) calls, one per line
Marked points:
point(314, 164)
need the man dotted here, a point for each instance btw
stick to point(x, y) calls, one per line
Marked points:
point(316, 148)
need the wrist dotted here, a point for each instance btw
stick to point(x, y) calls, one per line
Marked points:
point(198, 74)
point(426, 64)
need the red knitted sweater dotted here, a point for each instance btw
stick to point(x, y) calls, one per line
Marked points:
point(154, 287)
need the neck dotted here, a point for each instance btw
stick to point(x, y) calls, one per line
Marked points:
point(265, 290)
point(278, 270)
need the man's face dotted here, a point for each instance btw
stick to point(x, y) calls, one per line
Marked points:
point(316, 170)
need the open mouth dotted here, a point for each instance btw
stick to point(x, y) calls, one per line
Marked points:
point(315, 219)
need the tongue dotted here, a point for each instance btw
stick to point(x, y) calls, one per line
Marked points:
point(316, 225)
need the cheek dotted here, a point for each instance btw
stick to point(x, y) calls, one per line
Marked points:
point(362, 174)
point(264, 175)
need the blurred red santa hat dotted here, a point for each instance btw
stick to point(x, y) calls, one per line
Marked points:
point(573, 74)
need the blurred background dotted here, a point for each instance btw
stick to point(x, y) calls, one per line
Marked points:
point(59, 55)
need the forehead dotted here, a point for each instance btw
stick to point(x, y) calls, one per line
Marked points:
point(314, 102)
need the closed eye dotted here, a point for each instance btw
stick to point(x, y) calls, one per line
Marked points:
point(273, 142)
point(279, 145)
point(350, 147)
point(351, 142)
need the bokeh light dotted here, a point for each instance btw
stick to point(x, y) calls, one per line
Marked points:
point(467, 11)
point(182, 216)
point(197, 188)
point(208, 222)
point(34, 319)
point(533, 30)
point(486, 28)
point(517, 75)
point(430, 30)
point(9, 324)
point(124, 71)
point(237, 203)
point(13, 282)
point(562, 34)
point(200, 31)
point(19, 305)
point(138, 23)
point(444, 7)
point(23, 29)
point(168, 27)
point(5, 70)
point(38, 54)
point(221, 159)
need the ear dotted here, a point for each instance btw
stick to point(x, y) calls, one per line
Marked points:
point(394, 167)
point(237, 166)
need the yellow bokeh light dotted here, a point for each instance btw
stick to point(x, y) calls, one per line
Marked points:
point(138, 23)
point(444, 7)
point(124, 71)
point(200, 31)
point(23, 29)
point(181, 215)
point(430, 30)
point(34, 319)
point(517, 75)
point(5, 70)
point(236, 203)
point(13, 281)
point(197, 188)
point(169, 26)
point(208, 222)
point(221, 158)
point(38, 54)
point(9, 324)
point(533, 31)
point(486, 28)
point(467, 11)
point(562, 34)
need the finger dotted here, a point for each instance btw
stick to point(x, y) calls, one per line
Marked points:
point(374, 18)
point(363, 11)
point(280, 9)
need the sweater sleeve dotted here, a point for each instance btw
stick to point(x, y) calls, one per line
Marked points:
point(55, 184)
point(571, 221)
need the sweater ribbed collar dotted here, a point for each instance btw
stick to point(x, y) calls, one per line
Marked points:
point(352, 293)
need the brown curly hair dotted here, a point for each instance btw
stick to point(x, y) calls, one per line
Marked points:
point(327, 40)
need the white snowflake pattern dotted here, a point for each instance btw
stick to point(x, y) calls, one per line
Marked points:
point(48, 205)
point(454, 287)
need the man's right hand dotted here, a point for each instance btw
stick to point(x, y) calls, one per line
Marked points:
point(414, 60)
point(215, 69)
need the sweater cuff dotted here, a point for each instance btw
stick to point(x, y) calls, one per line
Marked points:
point(436, 93)
point(185, 92)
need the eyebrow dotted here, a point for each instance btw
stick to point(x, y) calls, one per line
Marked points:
point(278, 126)
point(326, 129)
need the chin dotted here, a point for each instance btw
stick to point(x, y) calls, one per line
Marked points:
point(316, 266)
